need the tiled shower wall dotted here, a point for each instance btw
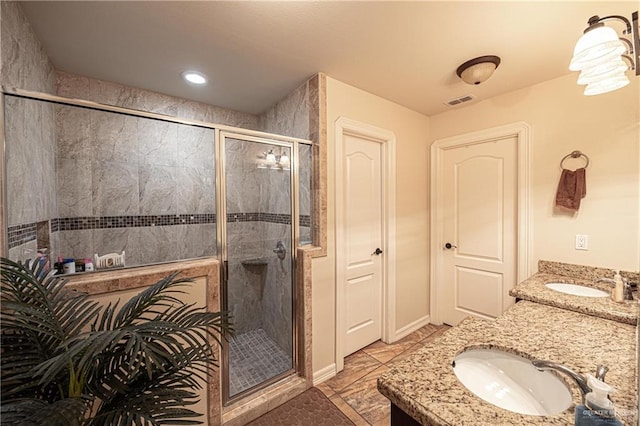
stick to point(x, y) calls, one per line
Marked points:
point(296, 116)
point(102, 154)
point(260, 284)
point(157, 175)
point(31, 160)
point(82, 87)
point(144, 168)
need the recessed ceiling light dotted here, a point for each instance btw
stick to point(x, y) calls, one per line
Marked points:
point(194, 77)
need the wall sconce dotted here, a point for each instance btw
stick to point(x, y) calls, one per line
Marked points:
point(269, 160)
point(600, 55)
point(478, 70)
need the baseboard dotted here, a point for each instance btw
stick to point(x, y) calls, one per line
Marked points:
point(411, 327)
point(324, 374)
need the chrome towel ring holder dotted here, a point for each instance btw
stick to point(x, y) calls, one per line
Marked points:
point(574, 154)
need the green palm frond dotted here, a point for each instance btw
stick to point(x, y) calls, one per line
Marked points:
point(162, 406)
point(150, 301)
point(160, 400)
point(135, 364)
point(38, 317)
point(22, 412)
point(169, 338)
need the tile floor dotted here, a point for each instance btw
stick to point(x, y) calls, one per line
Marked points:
point(254, 358)
point(354, 391)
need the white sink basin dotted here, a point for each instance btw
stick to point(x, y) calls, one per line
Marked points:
point(511, 382)
point(577, 290)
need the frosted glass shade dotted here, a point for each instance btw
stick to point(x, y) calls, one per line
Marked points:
point(479, 69)
point(596, 46)
point(608, 85)
point(478, 73)
point(602, 72)
point(284, 160)
point(270, 159)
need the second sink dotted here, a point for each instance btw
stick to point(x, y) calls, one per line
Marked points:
point(577, 290)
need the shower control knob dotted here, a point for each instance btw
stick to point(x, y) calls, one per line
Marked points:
point(378, 252)
point(280, 250)
point(449, 246)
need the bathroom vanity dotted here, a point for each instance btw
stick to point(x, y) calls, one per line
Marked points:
point(575, 331)
point(535, 289)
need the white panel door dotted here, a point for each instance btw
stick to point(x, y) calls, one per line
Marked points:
point(479, 223)
point(362, 236)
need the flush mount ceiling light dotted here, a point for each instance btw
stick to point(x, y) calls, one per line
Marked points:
point(477, 70)
point(194, 77)
point(603, 58)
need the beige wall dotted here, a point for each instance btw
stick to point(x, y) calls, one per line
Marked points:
point(606, 128)
point(411, 131)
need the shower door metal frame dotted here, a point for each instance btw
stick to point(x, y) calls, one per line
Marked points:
point(4, 218)
point(221, 249)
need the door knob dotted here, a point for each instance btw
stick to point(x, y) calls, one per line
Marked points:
point(449, 246)
point(378, 252)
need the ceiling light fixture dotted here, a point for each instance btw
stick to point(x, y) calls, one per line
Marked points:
point(478, 70)
point(194, 77)
point(600, 54)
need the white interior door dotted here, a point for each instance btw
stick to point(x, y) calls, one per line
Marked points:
point(362, 232)
point(479, 221)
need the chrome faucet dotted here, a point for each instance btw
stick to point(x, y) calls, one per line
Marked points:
point(606, 280)
point(601, 371)
point(629, 288)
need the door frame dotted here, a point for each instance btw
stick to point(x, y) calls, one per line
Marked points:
point(522, 132)
point(387, 140)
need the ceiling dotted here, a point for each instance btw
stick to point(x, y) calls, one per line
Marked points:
point(256, 52)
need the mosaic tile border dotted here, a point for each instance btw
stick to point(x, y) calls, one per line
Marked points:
point(105, 222)
point(305, 220)
point(21, 234)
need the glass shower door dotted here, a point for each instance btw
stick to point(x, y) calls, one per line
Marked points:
point(258, 239)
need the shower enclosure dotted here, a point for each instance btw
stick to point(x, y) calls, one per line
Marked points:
point(110, 179)
point(256, 245)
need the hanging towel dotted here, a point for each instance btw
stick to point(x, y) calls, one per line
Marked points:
point(571, 189)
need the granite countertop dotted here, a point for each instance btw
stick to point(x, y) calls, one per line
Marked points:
point(426, 388)
point(534, 289)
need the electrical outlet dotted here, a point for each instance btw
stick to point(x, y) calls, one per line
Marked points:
point(582, 242)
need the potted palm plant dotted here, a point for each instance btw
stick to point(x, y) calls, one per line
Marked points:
point(67, 360)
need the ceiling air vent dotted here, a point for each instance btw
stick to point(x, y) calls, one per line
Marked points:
point(460, 100)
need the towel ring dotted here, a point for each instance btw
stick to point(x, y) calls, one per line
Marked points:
point(574, 154)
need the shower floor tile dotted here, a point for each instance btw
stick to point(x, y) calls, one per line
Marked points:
point(254, 358)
